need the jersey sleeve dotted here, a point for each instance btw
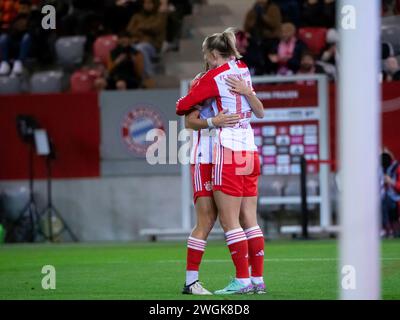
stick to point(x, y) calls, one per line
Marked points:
point(204, 89)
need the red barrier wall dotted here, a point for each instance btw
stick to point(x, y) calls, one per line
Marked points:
point(306, 95)
point(72, 121)
point(390, 118)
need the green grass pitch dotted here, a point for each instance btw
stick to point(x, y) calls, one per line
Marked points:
point(294, 270)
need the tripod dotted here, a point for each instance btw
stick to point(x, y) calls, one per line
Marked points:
point(51, 211)
point(30, 208)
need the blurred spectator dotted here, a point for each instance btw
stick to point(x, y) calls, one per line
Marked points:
point(148, 29)
point(308, 66)
point(262, 23)
point(8, 11)
point(42, 38)
point(319, 13)
point(175, 11)
point(387, 50)
point(391, 69)
point(118, 13)
point(15, 41)
point(85, 17)
point(390, 7)
point(390, 65)
point(285, 58)
point(253, 59)
point(242, 42)
point(329, 56)
point(290, 10)
point(390, 194)
point(125, 65)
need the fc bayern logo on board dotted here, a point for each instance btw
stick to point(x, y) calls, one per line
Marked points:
point(135, 126)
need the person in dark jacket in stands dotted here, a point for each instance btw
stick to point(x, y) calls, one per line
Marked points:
point(125, 65)
point(290, 10)
point(308, 66)
point(148, 29)
point(15, 39)
point(319, 13)
point(263, 25)
point(118, 13)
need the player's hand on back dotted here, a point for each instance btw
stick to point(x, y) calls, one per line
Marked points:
point(224, 120)
point(239, 86)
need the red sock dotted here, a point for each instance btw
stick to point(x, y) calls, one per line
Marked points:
point(237, 243)
point(255, 241)
point(195, 250)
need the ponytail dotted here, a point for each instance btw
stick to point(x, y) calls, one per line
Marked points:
point(224, 43)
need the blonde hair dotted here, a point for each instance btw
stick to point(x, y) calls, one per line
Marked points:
point(224, 43)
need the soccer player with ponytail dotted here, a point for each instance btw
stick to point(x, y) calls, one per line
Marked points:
point(201, 170)
point(236, 165)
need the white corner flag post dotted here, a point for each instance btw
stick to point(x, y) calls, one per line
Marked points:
point(359, 140)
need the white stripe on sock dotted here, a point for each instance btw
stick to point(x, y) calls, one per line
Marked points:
point(251, 229)
point(236, 240)
point(253, 232)
point(191, 276)
point(233, 231)
point(198, 240)
point(196, 244)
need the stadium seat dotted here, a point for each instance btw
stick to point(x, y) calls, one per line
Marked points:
point(10, 85)
point(314, 38)
point(70, 50)
point(46, 82)
point(81, 81)
point(103, 46)
point(293, 189)
point(270, 189)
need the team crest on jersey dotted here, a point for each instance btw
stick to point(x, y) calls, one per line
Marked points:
point(208, 186)
point(136, 124)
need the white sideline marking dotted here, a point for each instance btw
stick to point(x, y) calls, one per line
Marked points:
point(276, 260)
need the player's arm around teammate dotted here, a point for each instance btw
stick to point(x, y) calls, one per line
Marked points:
point(222, 120)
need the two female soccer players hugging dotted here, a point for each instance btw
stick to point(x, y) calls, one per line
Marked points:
point(225, 165)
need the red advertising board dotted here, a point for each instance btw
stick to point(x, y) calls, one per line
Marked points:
point(290, 128)
point(282, 140)
point(72, 122)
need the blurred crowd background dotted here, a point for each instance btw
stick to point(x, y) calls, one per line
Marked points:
point(121, 44)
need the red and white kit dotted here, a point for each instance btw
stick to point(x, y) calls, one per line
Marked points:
point(236, 164)
point(201, 157)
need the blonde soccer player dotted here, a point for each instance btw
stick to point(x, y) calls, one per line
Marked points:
point(236, 165)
